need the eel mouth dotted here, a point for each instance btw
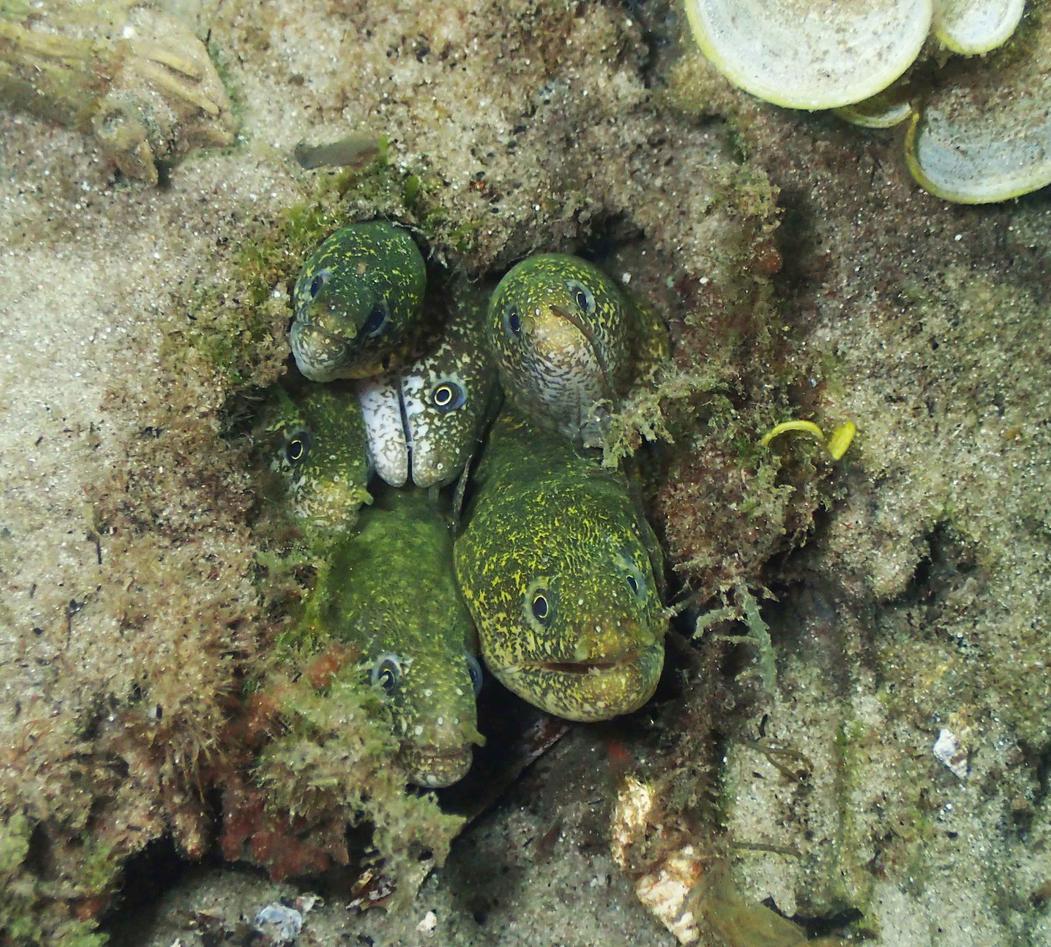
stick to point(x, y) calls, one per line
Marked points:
point(433, 767)
point(324, 354)
point(319, 353)
point(595, 347)
point(596, 689)
point(585, 667)
point(385, 410)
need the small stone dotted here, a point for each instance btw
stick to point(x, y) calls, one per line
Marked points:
point(948, 750)
point(306, 903)
point(280, 924)
point(429, 922)
point(663, 890)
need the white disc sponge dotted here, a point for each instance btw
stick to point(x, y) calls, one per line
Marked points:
point(811, 54)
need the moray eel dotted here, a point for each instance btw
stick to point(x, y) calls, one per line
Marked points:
point(554, 563)
point(424, 423)
point(358, 302)
point(564, 339)
point(317, 446)
point(390, 592)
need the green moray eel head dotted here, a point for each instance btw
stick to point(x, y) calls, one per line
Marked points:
point(357, 302)
point(432, 698)
point(317, 448)
point(558, 328)
point(424, 422)
point(569, 619)
point(391, 594)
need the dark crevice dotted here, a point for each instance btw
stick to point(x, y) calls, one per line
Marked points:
point(820, 925)
point(609, 233)
point(147, 876)
point(1040, 759)
point(406, 429)
point(948, 561)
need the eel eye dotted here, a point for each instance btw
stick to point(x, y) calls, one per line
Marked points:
point(386, 672)
point(633, 584)
point(582, 296)
point(317, 282)
point(513, 321)
point(448, 396)
point(297, 447)
point(377, 319)
point(541, 608)
point(475, 670)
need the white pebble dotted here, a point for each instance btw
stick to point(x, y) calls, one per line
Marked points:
point(948, 750)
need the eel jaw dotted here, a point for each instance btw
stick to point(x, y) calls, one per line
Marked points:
point(587, 690)
point(581, 667)
point(433, 767)
point(320, 355)
point(594, 347)
point(383, 411)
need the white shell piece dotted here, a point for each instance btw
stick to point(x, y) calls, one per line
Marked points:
point(664, 888)
point(811, 54)
point(383, 425)
point(281, 925)
point(976, 26)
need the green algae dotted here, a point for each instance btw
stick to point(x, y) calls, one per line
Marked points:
point(726, 914)
point(236, 327)
point(757, 638)
point(849, 880)
point(237, 330)
point(99, 866)
point(27, 911)
point(334, 764)
point(718, 488)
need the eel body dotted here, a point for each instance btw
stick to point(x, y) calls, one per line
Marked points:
point(390, 593)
